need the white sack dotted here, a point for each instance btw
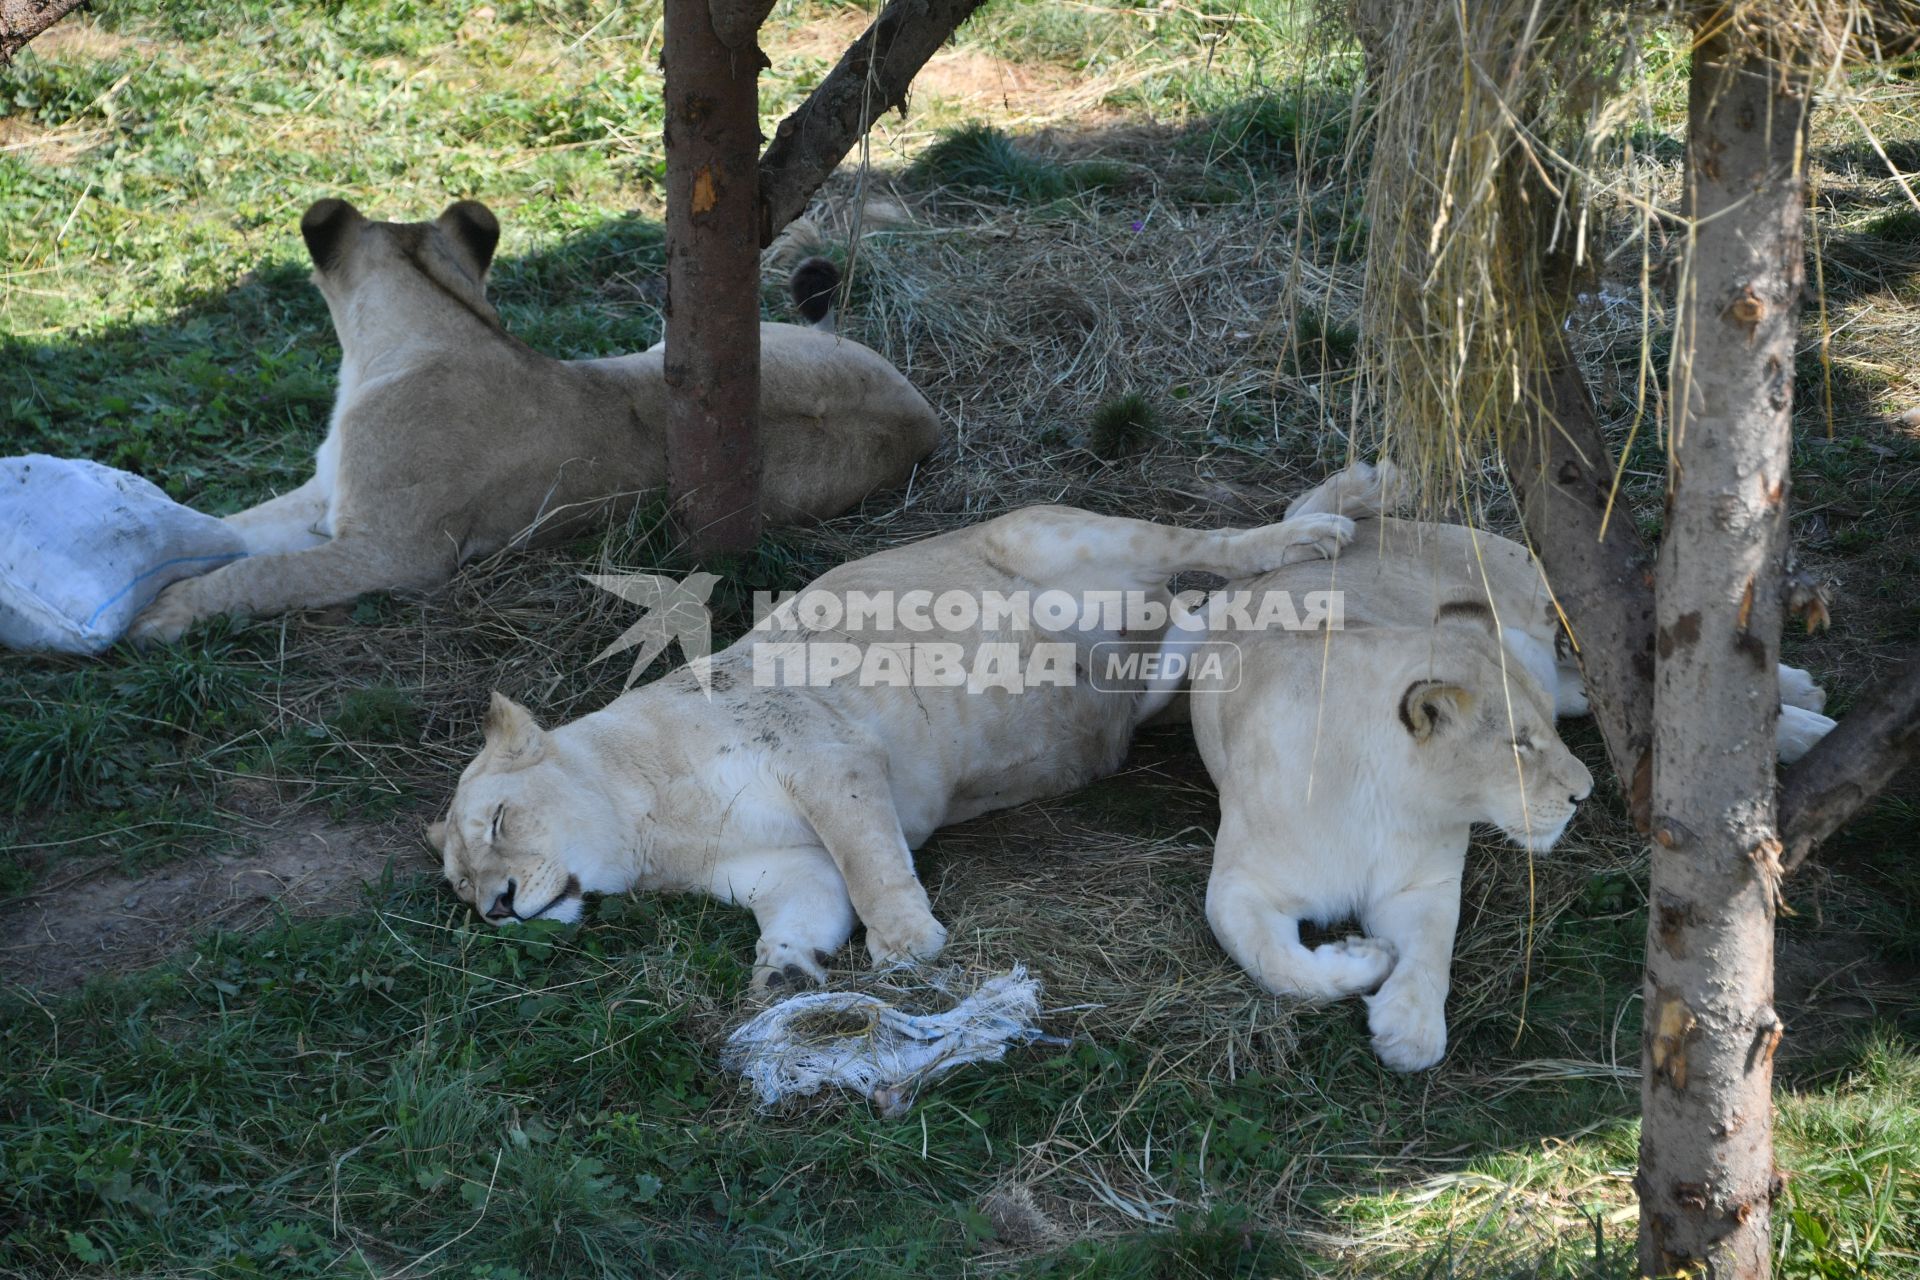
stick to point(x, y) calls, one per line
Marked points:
point(84, 548)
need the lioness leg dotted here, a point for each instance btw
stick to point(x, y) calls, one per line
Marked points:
point(294, 521)
point(847, 801)
point(1080, 551)
point(329, 574)
point(800, 901)
point(1265, 939)
point(1408, 1014)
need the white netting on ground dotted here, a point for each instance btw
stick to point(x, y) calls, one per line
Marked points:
point(866, 1044)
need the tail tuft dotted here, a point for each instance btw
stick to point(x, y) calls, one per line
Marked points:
point(813, 284)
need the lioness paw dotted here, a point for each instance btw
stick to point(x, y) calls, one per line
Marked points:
point(1356, 964)
point(905, 941)
point(166, 619)
point(1409, 1025)
point(787, 965)
point(1320, 535)
point(1799, 732)
point(1797, 689)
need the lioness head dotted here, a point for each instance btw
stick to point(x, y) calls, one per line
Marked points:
point(1482, 739)
point(443, 261)
point(528, 832)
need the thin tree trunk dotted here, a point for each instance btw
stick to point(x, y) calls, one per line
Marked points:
point(870, 79)
point(713, 280)
point(22, 20)
point(1707, 1178)
point(1562, 471)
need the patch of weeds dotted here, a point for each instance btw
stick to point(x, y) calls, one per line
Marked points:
point(979, 157)
point(1322, 344)
point(1856, 389)
point(62, 747)
point(1281, 129)
point(198, 687)
point(1898, 226)
point(1122, 426)
point(378, 713)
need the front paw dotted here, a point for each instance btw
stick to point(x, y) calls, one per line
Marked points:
point(1318, 536)
point(787, 966)
point(1356, 964)
point(1409, 1024)
point(907, 939)
point(1799, 732)
point(167, 618)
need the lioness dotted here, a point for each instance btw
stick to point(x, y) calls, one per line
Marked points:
point(803, 801)
point(451, 439)
point(1351, 765)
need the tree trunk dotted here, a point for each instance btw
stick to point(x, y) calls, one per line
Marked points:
point(870, 79)
point(1707, 1178)
point(22, 20)
point(713, 280)
point(1562, 472)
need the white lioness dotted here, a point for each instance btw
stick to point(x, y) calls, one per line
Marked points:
point(804, 801)
point(451, 439)
point(1352, 762)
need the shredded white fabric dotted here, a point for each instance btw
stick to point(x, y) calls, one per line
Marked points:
point(862, 1043)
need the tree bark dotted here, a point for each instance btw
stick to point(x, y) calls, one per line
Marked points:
point(1707, 1179)
point(1878, 738)
point(870, 79)
point(22, 20)
point(1562, 472)
point(713, 280)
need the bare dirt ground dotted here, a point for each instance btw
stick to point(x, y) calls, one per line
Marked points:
point(92, 920)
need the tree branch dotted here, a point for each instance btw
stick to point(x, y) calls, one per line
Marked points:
point(1562, 471)
point(22, 20)
point(870, 79)
point(1841, 776)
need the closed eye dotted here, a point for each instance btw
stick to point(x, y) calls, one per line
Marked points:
point(493, 829)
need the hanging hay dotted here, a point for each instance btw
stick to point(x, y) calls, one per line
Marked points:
point(1497, 145)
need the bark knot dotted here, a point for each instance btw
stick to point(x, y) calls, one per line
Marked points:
point(1673, 1023)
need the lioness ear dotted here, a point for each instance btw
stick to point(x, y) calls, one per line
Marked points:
point(437, 836)
point(324, 227)
point(512, 734)
point(1429, 706)
point(472, 226)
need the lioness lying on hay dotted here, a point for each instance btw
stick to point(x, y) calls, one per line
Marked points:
point(451, 439)
point(803, 800)
point(1351, 765)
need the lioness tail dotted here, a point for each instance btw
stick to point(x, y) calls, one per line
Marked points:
point(813, 284)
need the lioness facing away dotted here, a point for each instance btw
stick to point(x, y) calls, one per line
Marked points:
point(451, 439)
point(1351, 765)
point(802, 796)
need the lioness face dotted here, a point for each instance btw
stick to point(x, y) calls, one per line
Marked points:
point(524, 839)
point(1486, 740)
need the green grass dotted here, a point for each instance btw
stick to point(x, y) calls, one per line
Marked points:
point(400, 1087)
point(981, 158)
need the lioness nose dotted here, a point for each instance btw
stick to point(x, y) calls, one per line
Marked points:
point(502, 907)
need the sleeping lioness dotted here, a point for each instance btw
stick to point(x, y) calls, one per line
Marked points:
point(801, 796)
point(451, 439)
point(1351, 764)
